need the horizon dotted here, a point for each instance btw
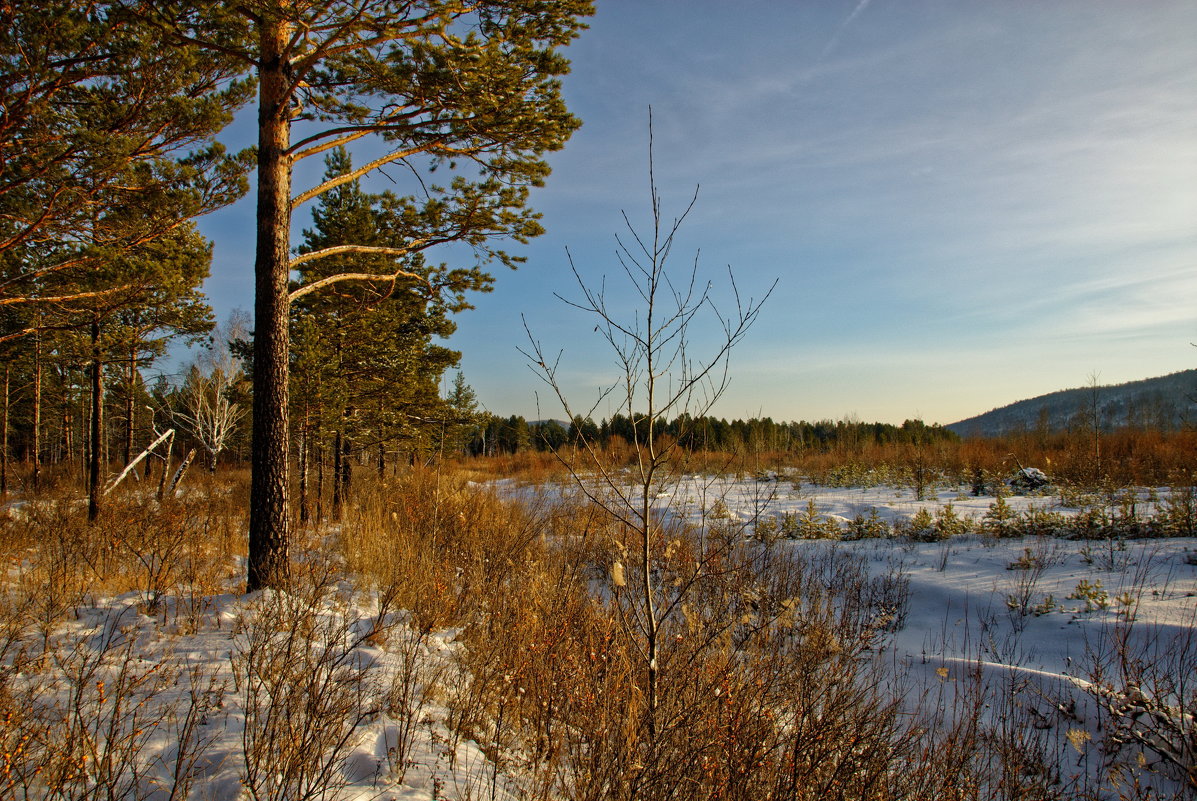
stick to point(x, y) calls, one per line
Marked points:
point(898, 424)
point(964, 206)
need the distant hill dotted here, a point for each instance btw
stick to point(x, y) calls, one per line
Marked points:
point(1169, 401)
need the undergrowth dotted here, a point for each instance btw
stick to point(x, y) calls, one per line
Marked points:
point(774, 682)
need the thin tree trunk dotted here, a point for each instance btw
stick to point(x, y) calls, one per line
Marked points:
point(346, 470)
point(170, 446)
point(338, 489)
point(4, 437)
point(129, 468)
point(37, 411)
point(95, 455)
point(178, 476)
point(319, 479)
point(84, 416)
point(65, 444)
point(382, 459)
point(148, 472)
point(105, 432)
point(130, 416)
point(268, 513)
point(303, 468)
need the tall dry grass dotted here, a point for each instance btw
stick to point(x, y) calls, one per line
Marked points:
point(771, 686)
point(76, 715)
point(770, 683)
point(1121, 457)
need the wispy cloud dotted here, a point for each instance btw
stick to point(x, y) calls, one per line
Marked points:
point(835, 38)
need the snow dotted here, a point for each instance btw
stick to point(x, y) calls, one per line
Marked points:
point(972, 611)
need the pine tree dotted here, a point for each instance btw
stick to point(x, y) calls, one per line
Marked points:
point(472, 88)
point(363, 361)
point(159, 296)
point(105, 139)
point(461, 426)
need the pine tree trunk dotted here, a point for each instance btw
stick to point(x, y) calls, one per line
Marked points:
point(66, 446)
point(319, 478)
point(4, 438)
point(96, 449)
point(268, 523)
point(338, 494)
point(303, 469)
point(37, 411)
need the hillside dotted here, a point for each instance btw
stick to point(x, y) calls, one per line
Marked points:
point(1166, 402)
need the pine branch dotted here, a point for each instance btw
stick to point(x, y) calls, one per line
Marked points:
point(353, 175)
point(341, 277)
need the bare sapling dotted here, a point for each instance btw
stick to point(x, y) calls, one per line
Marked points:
point(209, 411)
point(659, 378)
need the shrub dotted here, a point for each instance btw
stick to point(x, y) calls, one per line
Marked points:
point(1000, 520)
point(1176, 515)
point(920, 527)
point(949, 524)
point(868, 526)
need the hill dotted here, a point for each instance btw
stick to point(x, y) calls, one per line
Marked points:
point(1166, 402)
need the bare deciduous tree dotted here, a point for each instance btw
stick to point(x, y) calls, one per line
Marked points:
point(209, 412)
point(660, 378)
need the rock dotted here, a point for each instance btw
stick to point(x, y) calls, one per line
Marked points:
point(1029, 478)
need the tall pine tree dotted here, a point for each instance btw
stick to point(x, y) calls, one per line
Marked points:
point(364, 365)
point(105, 145)
point(472, 88)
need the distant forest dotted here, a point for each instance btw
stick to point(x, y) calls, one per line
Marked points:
point(1166, 403)
point(498, 435)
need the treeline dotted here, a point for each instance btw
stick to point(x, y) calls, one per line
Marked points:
point(494, 435)
point(365, 366)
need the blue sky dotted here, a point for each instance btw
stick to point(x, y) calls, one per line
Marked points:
point(964, 203)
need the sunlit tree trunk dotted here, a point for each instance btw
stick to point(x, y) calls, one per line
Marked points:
point(130, 414)
point(304, 514)
point(4, 437)
point(268, 515)
point(337, 490)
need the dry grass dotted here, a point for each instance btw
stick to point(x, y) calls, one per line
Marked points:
point(1123, 457)
point(769, 688)
point(770, 684)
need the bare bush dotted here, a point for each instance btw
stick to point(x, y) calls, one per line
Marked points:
point(1143, 680)
point(79, 727)
point(305, 687)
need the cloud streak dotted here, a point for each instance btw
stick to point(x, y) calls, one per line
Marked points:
point(835, 38)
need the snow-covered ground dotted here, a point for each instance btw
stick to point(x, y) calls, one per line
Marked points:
point(1056, 632)
point(1027, 616)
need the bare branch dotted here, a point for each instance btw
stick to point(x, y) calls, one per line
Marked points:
point(391, 278)
point(353, 175)
point(337, 250)
point(99, 293)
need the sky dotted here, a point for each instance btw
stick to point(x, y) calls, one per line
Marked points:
point(963, 204)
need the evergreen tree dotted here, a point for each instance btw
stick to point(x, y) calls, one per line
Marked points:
point(106, 145)
point(159, 295)
point(468, 87)
point(365, 352)
point(461, 425)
